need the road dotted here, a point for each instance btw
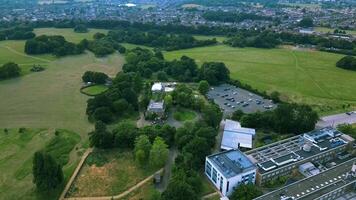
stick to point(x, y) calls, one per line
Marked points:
point(334, 120)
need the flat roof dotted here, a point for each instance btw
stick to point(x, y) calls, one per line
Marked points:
point(296, 148)
point(315, 186)
point(231, 163)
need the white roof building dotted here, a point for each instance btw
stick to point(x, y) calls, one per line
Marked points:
point(157, 87)
point(235, 136)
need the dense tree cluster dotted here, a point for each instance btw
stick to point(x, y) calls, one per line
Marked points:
point(119, 100)
point(81, 28)
point(183, 96)
point(149, 143)
point(270, 39)
point(17, 33)
point(194, 141)
point(102, 45)
point(9, 70)
point(264, 39)
point(158, 39)
point(47, 173)
point(246, 192)
point(286, 118)
point(232, 16)
point(347, 62)
point(94, 77)
point(55, 45)
point(306, 22)
point(214, 73)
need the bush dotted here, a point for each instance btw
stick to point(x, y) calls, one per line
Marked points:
point(347, 62)
point(9, 70)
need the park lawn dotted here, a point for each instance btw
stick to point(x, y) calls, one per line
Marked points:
point(300, 76)
point(69, 33)
point(51, 98)
point(220, 39)
point(331, 30)
point(107, 173)
point(16, 154)
point(13, 51)
point(184, 115)
point(95, 90)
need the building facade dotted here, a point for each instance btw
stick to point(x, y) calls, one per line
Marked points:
point(229, 169)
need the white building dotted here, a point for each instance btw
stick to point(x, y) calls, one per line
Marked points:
point(157, 87)
point(229, 169)
point(235, 136)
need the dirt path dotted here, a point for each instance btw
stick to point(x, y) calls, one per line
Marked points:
point(23, 54)
point(75, 173)
point(119, 196)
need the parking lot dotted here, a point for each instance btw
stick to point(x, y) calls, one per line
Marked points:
point(231, 98)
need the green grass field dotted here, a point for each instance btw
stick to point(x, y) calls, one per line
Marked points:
point(301, 76)
point(220, 39)
point(330, 30)
point(16, 153)
point(95, 89)
point(69, 33)
point(51, 99)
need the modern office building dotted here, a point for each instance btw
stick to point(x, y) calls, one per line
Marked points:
point(228, 169)
point(338, 181)
point(280, 158)
point(235, 136)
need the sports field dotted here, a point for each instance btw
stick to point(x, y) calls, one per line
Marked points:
point(16, 154)
point(300, 75)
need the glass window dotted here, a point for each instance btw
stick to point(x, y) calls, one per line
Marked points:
point(208, 169)
point(214, 177)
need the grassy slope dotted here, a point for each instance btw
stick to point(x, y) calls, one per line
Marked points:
point(16, 151)
point(303, 76)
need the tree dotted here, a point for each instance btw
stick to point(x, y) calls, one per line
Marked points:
point(103, 114)
point(347, 129)
point(306, 22)
point(98, 36)
point(9, 70)
point(214, 72)
point(347, 62)
point(142, 149)
point(246, 192)
point(125, 134)
point(212, 115)
point(47, 173)
point(162, 76)
point(159, 153)
point(203, 87)
point(179, 190)
point(100, 137)
point(275, 97)
point(81, 28)
point(237, 115)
